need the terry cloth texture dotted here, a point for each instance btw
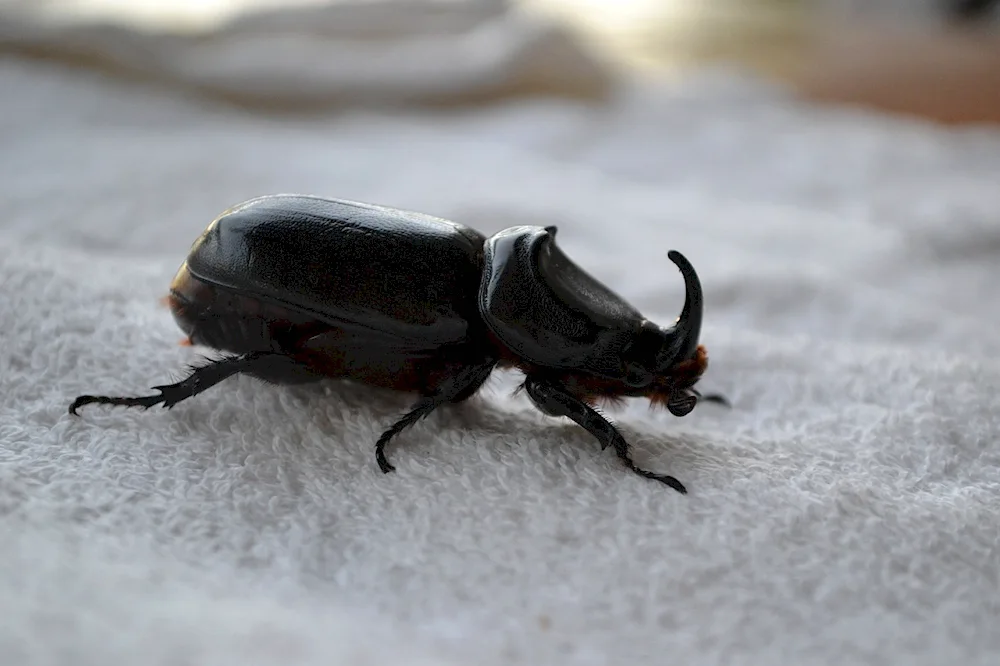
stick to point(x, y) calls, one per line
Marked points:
point(846, 510)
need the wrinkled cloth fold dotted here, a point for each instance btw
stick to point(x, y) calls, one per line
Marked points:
point(329, 57)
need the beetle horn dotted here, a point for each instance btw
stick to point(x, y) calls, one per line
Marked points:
point(683, 336)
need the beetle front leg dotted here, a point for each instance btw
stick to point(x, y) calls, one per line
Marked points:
point(717, 398)
point(554, 400)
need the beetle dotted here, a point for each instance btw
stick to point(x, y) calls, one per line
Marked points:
point(297, 288)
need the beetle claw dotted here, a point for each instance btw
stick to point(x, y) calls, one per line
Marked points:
point(662, 478)
point(172, 394)
point(200, 379)
point(383, 462)
point(423, 407)
point(80, 402)
point(145, 402)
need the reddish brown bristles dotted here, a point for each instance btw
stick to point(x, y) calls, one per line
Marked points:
point(684, 374)
point(172, 302)
point(598, 390)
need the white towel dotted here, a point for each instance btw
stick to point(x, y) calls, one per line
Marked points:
point(845, 510)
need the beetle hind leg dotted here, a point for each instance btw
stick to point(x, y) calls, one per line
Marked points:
point(140, 401)
point(200, 379)
point(554, 400)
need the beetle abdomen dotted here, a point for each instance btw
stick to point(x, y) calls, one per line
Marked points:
point(220, 318)
point(229, 321)
point(353, 265)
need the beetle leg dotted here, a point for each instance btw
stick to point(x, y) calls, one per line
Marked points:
point(420, 410)
point(455, 389)
point(199, 380)
point(717, 398)
point(554, 400)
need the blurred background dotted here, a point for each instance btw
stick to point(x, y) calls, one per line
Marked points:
point(937, 59)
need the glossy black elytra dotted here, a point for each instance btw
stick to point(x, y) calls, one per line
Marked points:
point(299, 288)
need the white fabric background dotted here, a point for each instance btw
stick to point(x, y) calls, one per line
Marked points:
point(846, 510)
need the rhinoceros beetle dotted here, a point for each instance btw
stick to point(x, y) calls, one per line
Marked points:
point(296, 288)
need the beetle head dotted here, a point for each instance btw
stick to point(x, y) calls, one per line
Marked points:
point(665, 363)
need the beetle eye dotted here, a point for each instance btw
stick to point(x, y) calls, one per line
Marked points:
point(636, 376)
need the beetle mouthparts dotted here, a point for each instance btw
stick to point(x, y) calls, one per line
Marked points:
point(686, 331)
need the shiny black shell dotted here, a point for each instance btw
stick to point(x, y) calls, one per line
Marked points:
point(548, 310)
point(399, 283)
point(359, 267)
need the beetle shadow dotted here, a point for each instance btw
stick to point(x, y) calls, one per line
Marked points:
point(653, 441)
point(495, 414)
point(346, 396)
point(321, 402)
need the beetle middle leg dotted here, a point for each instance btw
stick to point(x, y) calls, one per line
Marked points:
point(455, 388)
point(554, 400)
point(263, 364)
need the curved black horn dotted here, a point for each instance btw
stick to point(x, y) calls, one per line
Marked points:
point(686, 331)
